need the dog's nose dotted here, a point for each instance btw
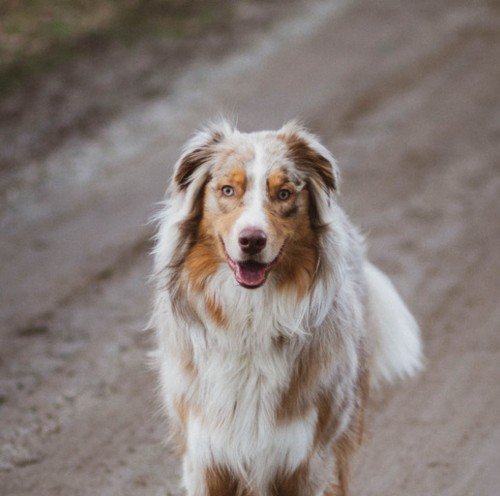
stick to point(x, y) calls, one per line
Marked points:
point(252, 241)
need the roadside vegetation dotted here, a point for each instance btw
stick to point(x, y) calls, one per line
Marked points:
point(69, 66)
point(37, 35)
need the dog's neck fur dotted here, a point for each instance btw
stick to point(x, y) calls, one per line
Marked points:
point(262, 313)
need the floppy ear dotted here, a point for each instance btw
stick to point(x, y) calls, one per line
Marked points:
point(197, 154)
point(192, 170)
point(318, 167)
point(183, 209)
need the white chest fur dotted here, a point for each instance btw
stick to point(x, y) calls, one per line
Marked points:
point(241, 377)
point(240, 393)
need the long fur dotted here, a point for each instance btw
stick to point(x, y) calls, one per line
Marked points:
point(265, 388)
point(397, 349)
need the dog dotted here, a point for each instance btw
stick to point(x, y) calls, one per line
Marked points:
point(271, 323)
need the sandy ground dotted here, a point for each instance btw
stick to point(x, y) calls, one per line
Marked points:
point(406, 95)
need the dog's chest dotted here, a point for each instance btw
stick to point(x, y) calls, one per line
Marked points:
point(242, 386)
point(240, 394)
point(242, 369)
point(243, 372)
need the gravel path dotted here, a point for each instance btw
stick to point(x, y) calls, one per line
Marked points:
point(406, 95)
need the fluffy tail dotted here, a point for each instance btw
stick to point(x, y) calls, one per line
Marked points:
point(397, 347)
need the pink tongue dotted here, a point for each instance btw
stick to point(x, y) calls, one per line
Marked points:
point(250, 273)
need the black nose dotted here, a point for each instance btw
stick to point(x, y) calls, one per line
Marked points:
point(252, 241)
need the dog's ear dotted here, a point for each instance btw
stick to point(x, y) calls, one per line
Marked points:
point(197, 155)
point(318, 167)
point(183, 209)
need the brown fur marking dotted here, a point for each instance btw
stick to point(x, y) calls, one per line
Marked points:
point(195, 159)
point(215, 311)
point(310, 161)
point(202, 259)
point(220, 481)
point(326, 424)
point(278, 180)
point(295, 483)
point(295, 271)
point(296, 268)
point(352, 437)
point(236, 177)
point(187, 363)
point(297, 399)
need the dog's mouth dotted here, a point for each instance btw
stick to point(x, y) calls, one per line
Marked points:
point(249, 273)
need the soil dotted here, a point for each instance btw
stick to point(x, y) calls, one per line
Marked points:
point(406, 96)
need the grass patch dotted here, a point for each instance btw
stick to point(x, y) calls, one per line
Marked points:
point(38, 35)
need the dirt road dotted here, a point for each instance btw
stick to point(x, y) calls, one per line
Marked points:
point(406, 94)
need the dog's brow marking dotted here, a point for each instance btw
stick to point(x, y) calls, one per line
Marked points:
point(254, 214)
point(259, 182)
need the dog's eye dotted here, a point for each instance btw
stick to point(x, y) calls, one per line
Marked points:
point(284, 194)
point(227, 190)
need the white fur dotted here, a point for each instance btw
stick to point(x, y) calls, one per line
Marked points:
point(241, 375)
point(397, 349)
point(238, 388)
point(253, 215)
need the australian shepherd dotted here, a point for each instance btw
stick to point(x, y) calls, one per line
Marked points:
point(271, 323)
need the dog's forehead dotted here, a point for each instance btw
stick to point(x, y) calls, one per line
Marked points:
point(256, 153)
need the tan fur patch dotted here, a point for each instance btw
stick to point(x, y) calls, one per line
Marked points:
point(334, 490)
point(326, 423)
point(206, 254)
point(277, 180)
point(290, 224)
point(351, 438)
point(295, 483)
point(178, 429)
point(220, 481)
point(297, 399)
point(182, 409)
point(237, 177)
point(187, 363)
point(202, 259)
point(296, 269)
point(222, 223)
point(215, 311)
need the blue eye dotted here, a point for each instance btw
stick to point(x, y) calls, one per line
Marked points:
point(284, 194)
point(227, 190)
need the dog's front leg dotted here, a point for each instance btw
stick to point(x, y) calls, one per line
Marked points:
point(210, 480)
point(296, 483)
point(202, 474)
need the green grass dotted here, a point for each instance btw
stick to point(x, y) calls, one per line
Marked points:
point(38, 35)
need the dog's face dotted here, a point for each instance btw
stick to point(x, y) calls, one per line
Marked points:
point(254, 202)
point(258, 196)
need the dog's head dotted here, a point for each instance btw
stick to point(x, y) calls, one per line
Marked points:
point(256, 201)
